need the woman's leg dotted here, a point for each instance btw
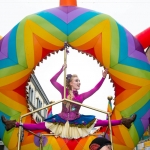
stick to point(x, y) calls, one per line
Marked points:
point(32, 127)
point(125, 121)
point(106, 122)
point(9, 124)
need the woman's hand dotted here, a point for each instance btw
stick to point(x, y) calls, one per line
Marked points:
point(64, 66)
point(104, 73)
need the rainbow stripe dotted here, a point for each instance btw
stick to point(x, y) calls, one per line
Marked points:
point(38, 35)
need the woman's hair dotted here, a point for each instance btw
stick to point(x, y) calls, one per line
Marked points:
point(69, 79)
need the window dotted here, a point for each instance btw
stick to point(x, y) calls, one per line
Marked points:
point(32, 96)
point(29, 93)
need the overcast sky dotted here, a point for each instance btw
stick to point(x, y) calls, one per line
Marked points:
point(132, 14)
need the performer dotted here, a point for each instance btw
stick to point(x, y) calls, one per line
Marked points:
point(69, 123)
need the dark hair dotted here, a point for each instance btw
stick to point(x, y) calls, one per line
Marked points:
point(99, 143)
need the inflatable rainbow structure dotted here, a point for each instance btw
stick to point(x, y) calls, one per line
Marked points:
point(40, 34)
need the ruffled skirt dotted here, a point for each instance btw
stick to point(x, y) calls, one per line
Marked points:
point(74, 129)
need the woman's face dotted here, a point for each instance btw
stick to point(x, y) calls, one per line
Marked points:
point(107, 147)
point(75, 83)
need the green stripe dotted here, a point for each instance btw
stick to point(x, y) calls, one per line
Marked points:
point(132, 71)
point(136, 106)
point(14, 116)
point(20, 44)
point(49, 27)
point(88, 25)
point(8, 134)
point(134, 135)
point(114, 51)
point(8, 110)
point(11, 70)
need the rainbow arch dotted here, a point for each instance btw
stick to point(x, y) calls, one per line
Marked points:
point(94, 33)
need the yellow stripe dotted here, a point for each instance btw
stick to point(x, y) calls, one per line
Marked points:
point(121, 147)
point(123, 130)
point(135, 97)
point(90, 34)
point(30, 28)
point(44, 34)
point(29, 47)
point(106, 40)
point(128, 78)
point(30, 146)
point(12, 104)
point(89, 140)
point(53, 142)
point(15, 77)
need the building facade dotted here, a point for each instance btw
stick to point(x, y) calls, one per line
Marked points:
point(36, 99)
point(144, 143)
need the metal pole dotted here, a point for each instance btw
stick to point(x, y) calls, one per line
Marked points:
point(41, 142)
point(65, 63)
point(62, 101)
point(110, 131)
point(19, 135)
point(27, 114)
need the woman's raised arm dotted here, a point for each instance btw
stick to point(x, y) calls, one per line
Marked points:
point(54, 82)
point(98, 85)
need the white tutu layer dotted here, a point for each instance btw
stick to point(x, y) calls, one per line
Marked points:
point(69, 132)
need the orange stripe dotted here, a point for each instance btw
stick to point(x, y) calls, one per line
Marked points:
point(116, 129)
point(124, 95)
point(123, 84)
point(81, 143)
point(98, 49)
point(37, 51)
point(90, 44)
point(46, 44)
point(15, 97)
point(61, 142)
point(16, 84)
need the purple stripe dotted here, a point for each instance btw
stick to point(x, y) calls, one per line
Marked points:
point(4, 46)
point(67, 9)
point(145, 120)
point(2, 56)
point(72, 8)
point(1, 43)
point(64, 9)
point(74, 14)
point(138, 46)
point(132, 52)
point(60, 14)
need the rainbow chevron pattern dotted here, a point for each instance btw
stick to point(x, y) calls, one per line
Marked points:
point(97, 34)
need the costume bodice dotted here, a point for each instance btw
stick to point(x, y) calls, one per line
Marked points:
point(70, 111)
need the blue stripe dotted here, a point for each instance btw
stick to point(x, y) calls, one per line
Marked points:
point(57, 22)
point(6, 63)
point(123, 43)
point(77, 22)
point(140, 113)
point(123, 55)
point(133, 62)
point(12, 45)
point(11, 60)
point(2, 126)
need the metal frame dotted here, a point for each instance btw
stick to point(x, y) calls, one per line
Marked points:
point(64, 99)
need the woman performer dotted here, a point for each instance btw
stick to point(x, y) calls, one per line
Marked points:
point(69, 123)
